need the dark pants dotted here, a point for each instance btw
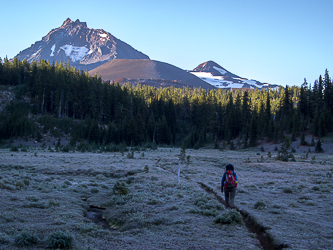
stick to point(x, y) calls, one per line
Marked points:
point(229, 194)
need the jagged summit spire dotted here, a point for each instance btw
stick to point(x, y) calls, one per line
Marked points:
point(67, 21)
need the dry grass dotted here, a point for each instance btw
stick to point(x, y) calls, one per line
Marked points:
point(52, 192)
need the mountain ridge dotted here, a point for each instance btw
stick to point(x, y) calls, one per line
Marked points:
point(219, 77)
point(88, 49)
point(83, 47)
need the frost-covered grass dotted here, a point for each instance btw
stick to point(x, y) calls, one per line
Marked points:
point(145, 206)
point(292, 199)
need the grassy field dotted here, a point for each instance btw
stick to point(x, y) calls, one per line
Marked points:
point(115, 201)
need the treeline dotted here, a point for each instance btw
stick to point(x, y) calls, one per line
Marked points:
point(103, 113)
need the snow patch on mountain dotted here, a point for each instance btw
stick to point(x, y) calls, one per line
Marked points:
point(52, 50)
point(222, 71)
point(216, 81)
point(220, 82)
point(74, 52)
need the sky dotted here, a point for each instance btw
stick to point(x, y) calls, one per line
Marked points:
point(278, 42)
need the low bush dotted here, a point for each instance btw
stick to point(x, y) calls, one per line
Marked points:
point(94, 190)
point(287, 190)
point(14, 148)
point(25, 239)
point(59, 239)
point(4, 239)
point(260, 205)
point(120, 188)
point(230, 217)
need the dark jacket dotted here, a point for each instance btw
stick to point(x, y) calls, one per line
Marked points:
point(223, 179)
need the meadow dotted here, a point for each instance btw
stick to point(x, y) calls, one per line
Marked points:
point(132, 200)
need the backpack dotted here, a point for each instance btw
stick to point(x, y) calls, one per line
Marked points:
point(229, 181)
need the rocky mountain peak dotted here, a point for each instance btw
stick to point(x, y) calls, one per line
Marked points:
point(66, 22)
point(213, 68)
point(219, 77)
point(83, 47)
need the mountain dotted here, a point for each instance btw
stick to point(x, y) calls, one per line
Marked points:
point(217, 76)
point(83, 47)
point(148, 72)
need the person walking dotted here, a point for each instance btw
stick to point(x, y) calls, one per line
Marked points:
point(229, 184)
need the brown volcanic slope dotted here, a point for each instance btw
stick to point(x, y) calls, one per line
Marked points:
point(144, 70)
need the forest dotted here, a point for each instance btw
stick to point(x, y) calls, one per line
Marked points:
point(59, 99)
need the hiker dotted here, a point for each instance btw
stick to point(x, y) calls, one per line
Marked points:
point(229, 184)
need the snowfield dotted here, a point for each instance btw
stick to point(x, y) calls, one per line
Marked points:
point(74, 52)
point(103, 35)
point(52, 50)
point(222, 71)
point(219, 82)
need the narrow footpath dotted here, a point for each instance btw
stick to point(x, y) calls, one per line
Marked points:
point(266, 242)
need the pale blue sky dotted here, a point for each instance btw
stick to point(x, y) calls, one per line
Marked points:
point(274, 41)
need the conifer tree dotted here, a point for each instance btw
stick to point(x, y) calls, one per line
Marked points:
point(303, 142)
point(328, 91)
point(303, 100)
point(1, 72)
point(253, 132)
point(319, 148)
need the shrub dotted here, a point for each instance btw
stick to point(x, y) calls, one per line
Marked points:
point(120, 188)
point(54, 203)
point(230, 217)
point(67, 182)
point(25, 239)
point(65, 149)
point(318, 148)
point(303, 141)
point(287, 190)
point(260, 205)
point(269, 154)
point(4, 239)
point(24, 149)
point(232, 146)
point(94, 190)
point(14, 148)
point(19, 184)
point(59, 239)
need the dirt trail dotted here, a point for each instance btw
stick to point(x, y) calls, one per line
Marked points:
point(266, 242)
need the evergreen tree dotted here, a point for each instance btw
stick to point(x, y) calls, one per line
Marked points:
point(303, 142)
point(303, 100)
point(328, 94)
point(253, 133)
point(1, 72)
point(267, 115)
point(319, 148)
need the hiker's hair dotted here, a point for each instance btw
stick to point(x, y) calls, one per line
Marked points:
point(229, 167)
